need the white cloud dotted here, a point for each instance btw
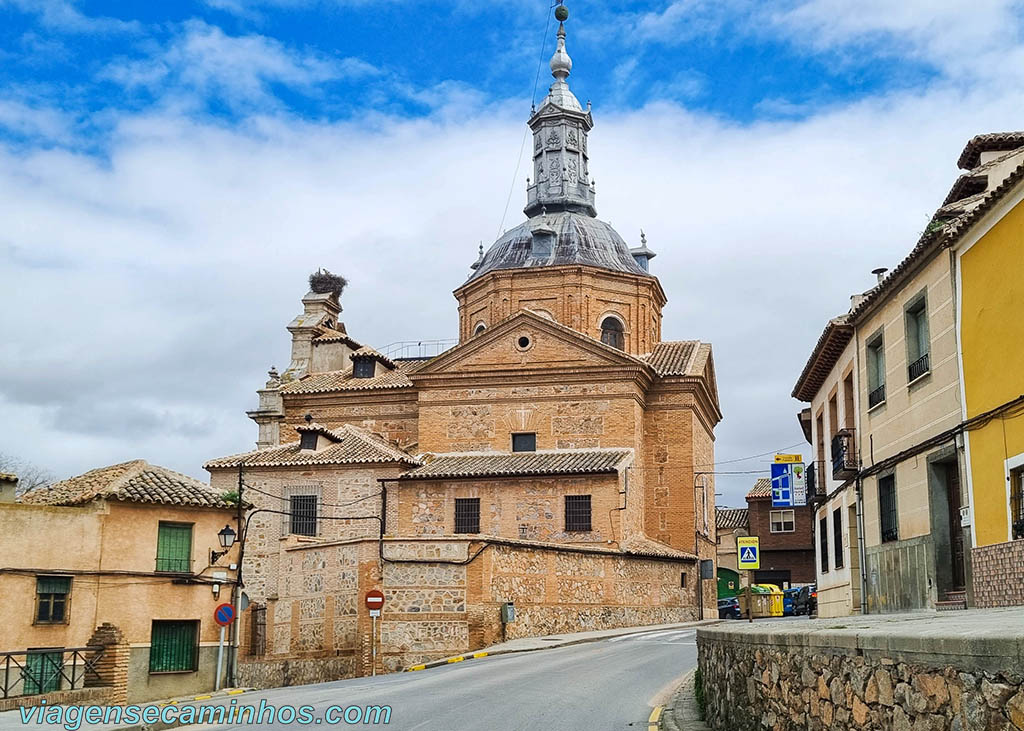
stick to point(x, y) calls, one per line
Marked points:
point(240, 70)
point(153, 287)
point(25, 120)
point(63, 16)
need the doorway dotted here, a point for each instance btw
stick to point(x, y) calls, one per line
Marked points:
point(956, 530)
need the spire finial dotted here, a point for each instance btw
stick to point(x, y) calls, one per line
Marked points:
point(561, 64)
point(643, 238)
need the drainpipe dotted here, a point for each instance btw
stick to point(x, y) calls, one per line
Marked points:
point(860, 548)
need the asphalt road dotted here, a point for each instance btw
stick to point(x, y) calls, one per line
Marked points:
point(610, 685)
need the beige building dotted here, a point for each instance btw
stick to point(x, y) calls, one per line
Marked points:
point(127, 546)
point(730, 523)
point(546, 462)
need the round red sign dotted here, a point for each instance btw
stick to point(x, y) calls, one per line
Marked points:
point(374, 599)
point(224, 614)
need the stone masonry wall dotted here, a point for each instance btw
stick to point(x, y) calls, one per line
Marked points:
point(998, 574)
point(771, 678)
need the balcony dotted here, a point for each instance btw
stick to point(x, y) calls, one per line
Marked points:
point(876, 397)
point(918, 368)
point(812, 480)
point(844, 455)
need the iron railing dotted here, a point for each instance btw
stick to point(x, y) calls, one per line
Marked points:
point(918, 368)
point(887, 511)
point(49, 670)
point(844, 455)
point(812, 480)
point(876, 397)
point(1017, 506)
point(417, 348)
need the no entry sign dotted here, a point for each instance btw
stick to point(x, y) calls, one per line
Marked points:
point(374, 599)
point(224, 614)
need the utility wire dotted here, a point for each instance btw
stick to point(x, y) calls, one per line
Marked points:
point(533, 102)
point(323, 505)
point(753, 456)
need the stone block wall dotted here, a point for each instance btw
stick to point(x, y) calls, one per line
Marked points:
point(769, 677)
point(998, 576)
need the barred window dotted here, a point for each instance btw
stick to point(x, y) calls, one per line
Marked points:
point(307, 440)
point(52, 594)
point(783, 521)
point(887, 513)
point(303, 515)
point(837, 536)
point(363, 368)
point(467, 515)
point(577, 512)
point(174, 547)
point(174, 646)
point(1017, 503)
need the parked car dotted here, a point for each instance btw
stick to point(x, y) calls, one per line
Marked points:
point(806, 600)
point(729, 608)
point(789, 601)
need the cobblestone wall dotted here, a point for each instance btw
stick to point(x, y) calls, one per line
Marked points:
point(763, 682)
point(998, 574)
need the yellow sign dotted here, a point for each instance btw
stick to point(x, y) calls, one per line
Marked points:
point(749, 552)
point(788, 458)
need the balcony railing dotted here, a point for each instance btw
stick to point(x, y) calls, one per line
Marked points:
point(33, 672)
point(844, 455)
point(812, 480)
point(918, 368)
point(876, 397)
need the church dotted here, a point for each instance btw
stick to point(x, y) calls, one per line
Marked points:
point(548, 473)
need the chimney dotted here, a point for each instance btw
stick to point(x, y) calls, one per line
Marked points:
point(320, 309)
point(8, 487)
point(880, 273)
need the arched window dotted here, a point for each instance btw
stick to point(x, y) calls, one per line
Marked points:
point(611, 333)
point(479, 329)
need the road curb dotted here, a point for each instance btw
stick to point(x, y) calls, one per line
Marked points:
point(681, 713)
point(567, 643)
point(177, 702)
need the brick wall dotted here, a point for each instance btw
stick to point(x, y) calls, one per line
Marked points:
point(998, 574)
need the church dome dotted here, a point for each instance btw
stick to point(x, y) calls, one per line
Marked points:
point(556, 239)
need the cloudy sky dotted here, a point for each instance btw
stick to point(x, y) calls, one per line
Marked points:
point(170, 173)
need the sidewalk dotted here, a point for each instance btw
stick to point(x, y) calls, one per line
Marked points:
point(681, 712)
point(529, 644)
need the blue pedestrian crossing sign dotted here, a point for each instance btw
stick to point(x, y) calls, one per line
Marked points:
point(749, 551)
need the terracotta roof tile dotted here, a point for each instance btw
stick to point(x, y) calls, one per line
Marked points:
point(336, 336)
point(992, 141)
point(512, 464)
point(8, 477)
point(672, 358)
point(368, 352)
point(136, 481)
point(762, 488)
point(833, 340)
point(640, 545)
point(731, 518)
point(352, 446)
point(343, 381)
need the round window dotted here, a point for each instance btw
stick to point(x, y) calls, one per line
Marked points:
point(523, 342)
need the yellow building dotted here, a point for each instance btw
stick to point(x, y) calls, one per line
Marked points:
point(989, 250)
point(119, 556)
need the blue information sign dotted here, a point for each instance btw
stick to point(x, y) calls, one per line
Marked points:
point(782, 485)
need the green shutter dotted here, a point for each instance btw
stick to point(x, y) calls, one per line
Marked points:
point(42, 672)
point(53, 584)
point(174, 547)
point(173, 647)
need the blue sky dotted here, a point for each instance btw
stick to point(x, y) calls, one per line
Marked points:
point(171, 172)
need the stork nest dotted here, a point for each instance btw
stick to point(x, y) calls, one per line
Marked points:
point(323, 282)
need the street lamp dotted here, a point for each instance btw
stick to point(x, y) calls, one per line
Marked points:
point(226, 536)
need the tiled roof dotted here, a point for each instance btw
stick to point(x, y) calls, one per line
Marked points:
point(368, 352)
point(761, 488)
point(830, 345)
point(639, 545)
point(731, 518)
point(8, 477)
point(336, 336)
point(343, 381)
point(504, 464)
point(672, 358)
point(978, 144)
point(352, 446)
point(136, 481)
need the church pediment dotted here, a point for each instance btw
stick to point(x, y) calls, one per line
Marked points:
point(527, 341)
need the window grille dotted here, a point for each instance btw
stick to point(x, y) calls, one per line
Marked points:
point(303, 515)
point(467, 515)
point(174, 646)
point(577, 512)
point(1017, 504)
point(524, 442)
point(823, 543)
point(52, 599)
point(887, 513)
point(174, 547)
point(307, 440)
point(258, 628)
point(363, 368)
point(837, 536)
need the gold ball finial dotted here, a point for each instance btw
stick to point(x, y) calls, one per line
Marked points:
point(561, 13)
